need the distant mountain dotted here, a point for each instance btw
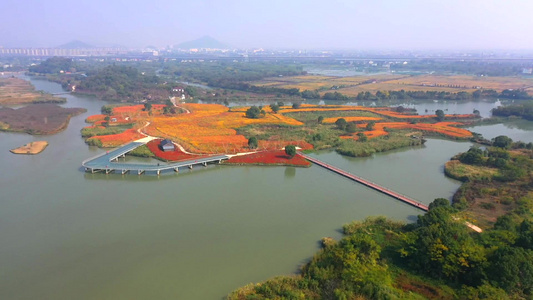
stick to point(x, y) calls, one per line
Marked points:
point(75, 45)
point(203, 42)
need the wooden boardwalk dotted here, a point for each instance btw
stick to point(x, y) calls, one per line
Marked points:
point(108, 161)
point(370, 184)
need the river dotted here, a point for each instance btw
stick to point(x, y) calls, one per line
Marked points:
point(67, 234)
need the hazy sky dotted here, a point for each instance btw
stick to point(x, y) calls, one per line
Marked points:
point(355, 24)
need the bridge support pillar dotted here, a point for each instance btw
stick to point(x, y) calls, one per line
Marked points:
point(176, 170)
point(190, 167)
point(139, 172)
point(158, 172)
point(125, 171)
point(107, 171)
point(205, 164)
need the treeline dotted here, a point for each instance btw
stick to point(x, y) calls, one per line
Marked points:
point(524, 110)
point(228, 74)
point(496, 68)
point(403, 95)
point(509, 168)
point(122, 82)
point(441, 95)
point(54, 65)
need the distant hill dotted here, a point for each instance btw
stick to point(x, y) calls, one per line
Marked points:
point(75, 45)
point(203, 42)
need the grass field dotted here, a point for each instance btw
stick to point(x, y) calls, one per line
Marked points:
point(314, 82)
point(351, 86)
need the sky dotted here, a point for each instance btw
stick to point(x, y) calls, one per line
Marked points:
point(302, 24)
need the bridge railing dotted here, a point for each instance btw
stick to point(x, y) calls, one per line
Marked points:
point(359, 178)
point(92, 158)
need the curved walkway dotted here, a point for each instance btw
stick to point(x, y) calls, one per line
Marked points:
point(109, 161)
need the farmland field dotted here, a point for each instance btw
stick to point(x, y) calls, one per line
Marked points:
point(351, 86)
point(15, 91)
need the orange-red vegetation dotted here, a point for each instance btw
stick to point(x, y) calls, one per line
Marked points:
point(120, 120)
point(95, 118)
point(210, 128)
point(275, 157)
point(351, 119)
point(445, 128)
point(385, 111)
point(175, 155)
point(115, 140)
point(135, 109)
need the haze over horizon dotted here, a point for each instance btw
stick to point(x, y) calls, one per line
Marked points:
point(337, 24)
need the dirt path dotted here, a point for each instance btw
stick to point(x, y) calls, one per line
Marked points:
point(173, 100)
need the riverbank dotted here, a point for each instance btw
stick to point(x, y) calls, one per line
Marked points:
point(156, 236)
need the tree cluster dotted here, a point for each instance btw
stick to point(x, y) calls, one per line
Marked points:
point(54, 65)
point(494, 264)
point(524, 110)
point(121, 82)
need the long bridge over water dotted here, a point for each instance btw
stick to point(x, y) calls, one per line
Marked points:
point(109, 162)
point(368, 183)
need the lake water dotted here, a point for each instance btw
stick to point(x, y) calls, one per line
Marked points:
point(67, 234)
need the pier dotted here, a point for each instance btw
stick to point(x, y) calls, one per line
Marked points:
point(109, 162)
point(367, 183)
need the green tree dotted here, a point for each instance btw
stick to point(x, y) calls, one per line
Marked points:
point(147, 107)
point(274, 108)
point(502, 141)
point(320, 119)
point(474, 156)
point(370, 125)
point(290, 150)
point(440, 115)
point(341, 123)
point(361, 137)
point(191, 91)
point(351, 127)
point(442, 247)
point(525, 237)
point(296, 105)
point(107, 110)
point(252, 142)
point(511, 268)
point(253, 112)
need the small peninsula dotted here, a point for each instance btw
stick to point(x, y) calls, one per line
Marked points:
point(16, 91)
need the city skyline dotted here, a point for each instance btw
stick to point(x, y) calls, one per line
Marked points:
point(340, 24)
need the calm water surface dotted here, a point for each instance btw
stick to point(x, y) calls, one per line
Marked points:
point(197, 235)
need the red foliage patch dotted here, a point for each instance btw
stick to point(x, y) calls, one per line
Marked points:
point(277, 157)
point(175, 155)
point(115, 140)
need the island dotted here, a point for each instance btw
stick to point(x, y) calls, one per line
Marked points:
point(37, 118)
point(258, 135)
point(31, 148)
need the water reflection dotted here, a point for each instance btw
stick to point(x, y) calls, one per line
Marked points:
point(290, 172)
